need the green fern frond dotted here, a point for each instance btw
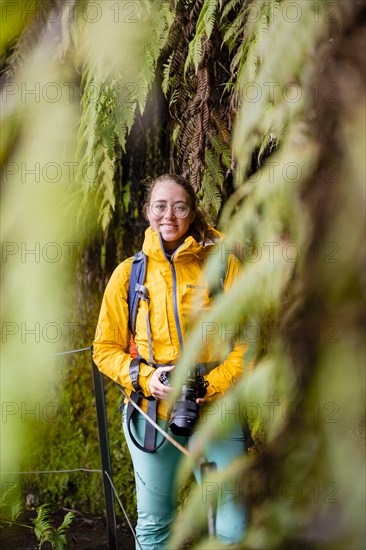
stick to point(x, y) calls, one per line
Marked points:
point(212, 195)
point(175, 133)
point(173, 97)
point(109, 115)
point(16, 509)
point(234, 30)
point(204, 28)
point(268, 141)
point(194, 53)
point(249, 65)
point(6, 496)
point(45, 532)
point(221, 149)
point(168, 15)
point(106, 191)
point(262, 27)
point(231, 5)
point(42, 513)
point(105, 216)
point(208, 17)
point(66, 522)
point(239, 55)
point(166, 84)
point(121, 131)
point(12, 504)
point(42, 527)
point(214, 167)
point(58, 541)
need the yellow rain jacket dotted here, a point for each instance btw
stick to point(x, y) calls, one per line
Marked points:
point(173, 285)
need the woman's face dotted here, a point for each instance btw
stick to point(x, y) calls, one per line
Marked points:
point(171, 226)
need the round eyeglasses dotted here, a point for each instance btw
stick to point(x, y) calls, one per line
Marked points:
point(181, 210)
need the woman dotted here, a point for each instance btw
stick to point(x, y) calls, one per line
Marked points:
point(176, 244)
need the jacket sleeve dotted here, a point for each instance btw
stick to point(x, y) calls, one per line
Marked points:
point(226, 374)
point(112, 337)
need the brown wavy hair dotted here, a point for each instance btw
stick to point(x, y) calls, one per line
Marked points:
point(199, 227)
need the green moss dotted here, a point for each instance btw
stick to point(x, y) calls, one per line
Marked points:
point(66, 433)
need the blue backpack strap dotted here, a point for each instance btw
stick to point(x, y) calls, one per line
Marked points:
point(137, 291)
point(137, 279)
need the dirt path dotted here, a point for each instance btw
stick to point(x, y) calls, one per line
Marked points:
point(85, 533)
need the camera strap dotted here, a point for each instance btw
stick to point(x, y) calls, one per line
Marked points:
point(149, 445)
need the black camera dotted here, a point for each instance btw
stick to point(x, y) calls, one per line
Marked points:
point(185, 411)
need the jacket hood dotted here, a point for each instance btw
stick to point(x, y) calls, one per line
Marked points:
point(153, 246)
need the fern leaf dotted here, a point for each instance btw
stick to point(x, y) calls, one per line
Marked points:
point(173, 98)
point(262, 27)
point(16, 509)
point(221, 149)
point(194, 53)
point(12, 503)
point(211, 193)
point(175, 133)
point(249, 65)
point(166, 84)
point(42, 527)
point(208, 19)
point(109, 115)
point(231, 5)
point(58, 541)
point(238, 56)
point(223, 131)
point(234, 30)
point(6, 496)
point(204, 28)
point(213, 164)
point(59, 538)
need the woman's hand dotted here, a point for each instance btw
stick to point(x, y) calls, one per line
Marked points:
point(200, 400)
point(157, 389)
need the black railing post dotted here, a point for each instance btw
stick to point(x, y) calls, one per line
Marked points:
point(105, 455)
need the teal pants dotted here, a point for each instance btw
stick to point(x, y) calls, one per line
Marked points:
point(156, 488)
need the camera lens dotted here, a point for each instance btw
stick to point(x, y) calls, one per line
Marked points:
point(186, 411)
point(184, 417)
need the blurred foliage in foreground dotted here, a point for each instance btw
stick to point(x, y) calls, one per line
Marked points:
point(44, 49)
point(265, 110)
point(305, 396)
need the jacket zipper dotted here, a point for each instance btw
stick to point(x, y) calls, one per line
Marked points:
point(175, 302)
